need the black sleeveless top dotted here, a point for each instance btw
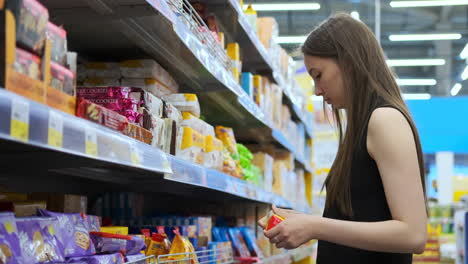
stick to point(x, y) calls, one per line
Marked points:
point(369, 205)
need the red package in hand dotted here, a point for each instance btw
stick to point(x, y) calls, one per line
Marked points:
point(274, 221)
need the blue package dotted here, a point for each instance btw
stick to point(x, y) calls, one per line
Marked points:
point(137, 259)
point(238, 242)
point(251, 242)
point(247, 83)
point(202, 255)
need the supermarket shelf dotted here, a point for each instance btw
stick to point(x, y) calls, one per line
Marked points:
point(146, 260)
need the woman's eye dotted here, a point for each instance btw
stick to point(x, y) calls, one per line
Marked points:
point(318, 76)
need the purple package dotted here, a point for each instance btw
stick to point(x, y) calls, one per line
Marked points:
point(94, 223)
point(73, 233)
point(136, 258)
point(115, 258)
point(10, 250)
point(109, 243)
point(38, 245)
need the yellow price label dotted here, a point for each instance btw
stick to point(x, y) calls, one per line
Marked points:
point(135, 155)
point(91, 146)
point(166, 164)
point(19, 126)
point(55, 135)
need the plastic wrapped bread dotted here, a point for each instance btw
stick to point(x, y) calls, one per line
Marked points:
point(149, 84)
point(184, 102)
point(196, 123)
point(190, 145)
point(213, 156)
point(147, 69)
point(108, 70)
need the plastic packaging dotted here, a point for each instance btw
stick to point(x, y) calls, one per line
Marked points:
point(145, 69)
point(101, 115)
point(213, 157)
point(155, 125)
point(58, 43)
point(258, 94)
point(28, 64)
point(109, 70)
point(190, 145)
point(139, 133)
point(196, 123)
point(169, 137)
point(31, 24)
point(99, 81)
point(94, 223)
point(150, 85)
point(226, 135)
point(238, 242)
point(115, 258)
point(136, 257)
point(62, 78)
point(265, 163)
point(111, 243)
point(271, 220)
point(247, 83)
point(249, 237)
point(118, 230)
point(159, 245)
point(10, 249)
point(184, 102)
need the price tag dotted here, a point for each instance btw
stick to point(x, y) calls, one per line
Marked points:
point(19, 128)
point(91, 146)
point(55, 135)
point(166, 164)
point(135, 155)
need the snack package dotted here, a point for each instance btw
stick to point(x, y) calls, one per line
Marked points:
point(110, 70)
point(62, 78)
point(28, 64)
point(31, 24)
point(138, 133)
point(58, 43)
point(10, 249)
point(118, 230)
point(38, 242)
point(190, 145)
point(182, 245)
point(150, 85)
point(238, 242)
point(155, 125)
point(167, 142)
point(98, 81)
point(149, 102)
point(159, 245)
point(94, 223)
point(147, 69)
point(101, 115)
point(226, 135)
point(184, 102)
point(229, 164)
point(213, 156)
point(247, 83)
point(171, 112)
point(249, 238)
point(196, 123)
point(110, 243)
point(265, 163)
point(73, 233)
point(270, 220)
point(258, 94)
point(136, 257)
point(115, 258)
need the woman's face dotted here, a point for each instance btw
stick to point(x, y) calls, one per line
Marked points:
point(327, 78)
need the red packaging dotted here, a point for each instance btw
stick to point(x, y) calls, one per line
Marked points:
point(28, 64)
point(101, 115)
point(31, 24)
point(58, 43)
point(274, 221)
point(62, 78)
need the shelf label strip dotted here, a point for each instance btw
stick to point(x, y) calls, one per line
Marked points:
point(20, 119)
point(55, 131)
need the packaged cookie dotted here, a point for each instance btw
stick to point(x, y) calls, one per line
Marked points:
point(147, 101)
point(154, 124)
point(38, 240)
point(115, 258)
point(10, 250)
point(196, 123)
point(111, 243)
point(171, 112)
point(31, 24)
point(137, 257)
point(213, 155)
point(94, 222)
point(58, 43)
point(190, 145)
point(226, 135)
point(184, 102)
point(28, 64)
point(109, 70)
point(73, 233)
point(144, 69)
point(62, 78)
point(101, 115)
point(167, 141)
point(150, 85)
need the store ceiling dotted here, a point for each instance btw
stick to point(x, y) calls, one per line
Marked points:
point(414, 20)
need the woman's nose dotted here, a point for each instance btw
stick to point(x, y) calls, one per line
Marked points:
point(318, 91)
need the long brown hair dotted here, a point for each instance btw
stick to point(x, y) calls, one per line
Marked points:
point(367, 81)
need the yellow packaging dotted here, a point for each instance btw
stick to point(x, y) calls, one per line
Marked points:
point(117, 230)
point(213, 153)
point(257, 90)
point(180, 245)
point(233, 51)
point(191, 145)
point(196, 123)
point(267, 30)
point(159, 245)
point(221, 39)
point(226, 135)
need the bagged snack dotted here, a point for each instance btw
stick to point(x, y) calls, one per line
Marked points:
point(226, 135)
point(147, 69)
point(229, 164)
point(94, 223)
point(249, 238)
point(102, 70)
point(62, 78)
point(28, 64)
point(150, 85)
point(138, 133)
point(196, 123)
point(190, 145)
point(98, 81)
point(118, 230)
point(101, 115)
point(159, 245)
point(73, 233)
point(10, 249)
point(213, 156)
point(115, 258)
point(136, 257)
point(58, 43)
point(182, 245)
point(110, 243)
point(38, 241)
point(184, 102)
point(31, 24)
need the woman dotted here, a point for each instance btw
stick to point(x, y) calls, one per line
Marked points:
point(375, 205)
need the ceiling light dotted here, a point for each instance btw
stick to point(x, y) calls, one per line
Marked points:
point(291, 39)
point(355, 15)
point(464, 74)
point(416, 37)
point(415, 62)
point(427, 3)
point(416, 96)
point(455, 89)
point(416, 82)
point(464, 53)
point(285, 6)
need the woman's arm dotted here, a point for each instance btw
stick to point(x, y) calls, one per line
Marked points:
point(391, 144)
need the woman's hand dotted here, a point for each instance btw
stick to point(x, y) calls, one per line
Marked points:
point(296, 229)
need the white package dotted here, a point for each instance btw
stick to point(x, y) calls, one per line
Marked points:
point(184, 102)
point(196, 123)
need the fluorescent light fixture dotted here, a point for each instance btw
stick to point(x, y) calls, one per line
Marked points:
point(415, 62)
point(464, 74)
point(428, 3)
point(416, 96)
point(455, 89)
point(464, 53)
point(416, 82)
point(355, 15)
point(285, 6)
point(291, 39)
point(416, 37)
